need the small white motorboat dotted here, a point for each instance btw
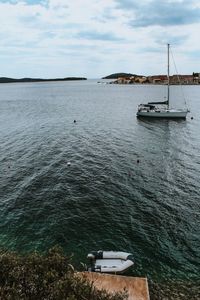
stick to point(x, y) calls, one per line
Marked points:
point(109, 261)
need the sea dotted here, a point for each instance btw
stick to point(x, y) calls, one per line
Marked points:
point(81, 171)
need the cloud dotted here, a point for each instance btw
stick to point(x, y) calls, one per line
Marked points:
point(164, 37)
point(129, 5)
point(29, 2)
point(48, 38)
point(97, 35)
point(161, 13)
point(34, 2)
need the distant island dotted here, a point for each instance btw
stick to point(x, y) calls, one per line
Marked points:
point(117, 75)
point(10, 80)
point(128, 78)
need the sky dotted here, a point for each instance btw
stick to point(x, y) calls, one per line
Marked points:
point(95, 38)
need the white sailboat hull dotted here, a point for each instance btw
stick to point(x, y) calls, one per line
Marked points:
point(168, 114)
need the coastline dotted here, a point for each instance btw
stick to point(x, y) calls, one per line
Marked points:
point(126, 78)
point(14, 80)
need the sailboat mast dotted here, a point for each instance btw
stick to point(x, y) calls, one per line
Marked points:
point(168, 75)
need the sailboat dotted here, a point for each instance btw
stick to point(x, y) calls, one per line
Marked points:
point(162, 109)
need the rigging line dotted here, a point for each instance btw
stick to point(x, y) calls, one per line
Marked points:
point(178, 78)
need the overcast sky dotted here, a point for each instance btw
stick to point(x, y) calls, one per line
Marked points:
point(94, 38)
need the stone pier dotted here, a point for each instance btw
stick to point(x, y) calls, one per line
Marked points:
point(136, 287)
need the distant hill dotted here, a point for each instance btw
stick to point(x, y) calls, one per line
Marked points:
point(8, 80)
point(117, 75)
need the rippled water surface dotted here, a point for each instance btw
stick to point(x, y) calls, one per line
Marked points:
point(104, 199)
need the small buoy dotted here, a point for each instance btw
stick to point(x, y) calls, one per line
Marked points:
point(69, 164)
point(191, 118)
point(138, 161)
point(74, 121)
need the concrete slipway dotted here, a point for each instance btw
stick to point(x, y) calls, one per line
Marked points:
point(136, 287)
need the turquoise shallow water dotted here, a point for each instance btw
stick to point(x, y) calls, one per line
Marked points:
point(104, 199)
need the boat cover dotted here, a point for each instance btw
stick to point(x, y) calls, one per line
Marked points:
point(163, 102)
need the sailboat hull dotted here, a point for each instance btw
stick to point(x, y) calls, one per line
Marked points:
point(170, 114)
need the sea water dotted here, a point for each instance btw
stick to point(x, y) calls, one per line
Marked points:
point(107, 181)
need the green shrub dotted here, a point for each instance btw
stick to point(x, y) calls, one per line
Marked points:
point(50, 277)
